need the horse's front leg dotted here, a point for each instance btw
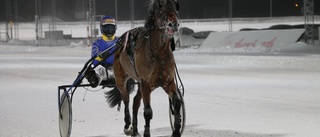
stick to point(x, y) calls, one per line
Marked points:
point(176, 103)
point(146, 91)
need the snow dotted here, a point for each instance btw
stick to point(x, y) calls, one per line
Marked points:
point(227, 94)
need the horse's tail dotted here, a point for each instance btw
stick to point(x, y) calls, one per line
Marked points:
point(114, 96)
point(130, 85)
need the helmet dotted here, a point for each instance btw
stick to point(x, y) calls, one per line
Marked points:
point(108, 26)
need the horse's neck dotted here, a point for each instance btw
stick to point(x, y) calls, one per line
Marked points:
point(159, 38)
point(158, 44)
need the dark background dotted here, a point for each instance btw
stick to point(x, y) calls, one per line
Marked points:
point(190, 9)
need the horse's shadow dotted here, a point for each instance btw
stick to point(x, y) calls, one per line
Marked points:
point(196, 131)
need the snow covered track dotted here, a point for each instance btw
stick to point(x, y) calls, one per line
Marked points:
point(225, 94)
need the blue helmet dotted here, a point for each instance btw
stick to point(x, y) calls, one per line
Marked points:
point(108, 26)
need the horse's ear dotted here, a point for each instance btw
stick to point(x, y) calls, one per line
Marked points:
point(177, 5)
point(160, 3)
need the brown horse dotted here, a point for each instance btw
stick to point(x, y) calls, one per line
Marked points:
point(145, 55)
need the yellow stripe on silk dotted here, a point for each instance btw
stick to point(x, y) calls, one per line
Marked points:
point(99, 59)
point(105, 38)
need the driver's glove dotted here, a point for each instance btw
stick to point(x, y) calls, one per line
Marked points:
point(92, 77)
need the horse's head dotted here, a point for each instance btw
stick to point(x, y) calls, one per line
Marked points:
point(165, 13)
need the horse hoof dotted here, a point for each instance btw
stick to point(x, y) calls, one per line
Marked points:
point(136, 135)
point(128, 131)
point(176, 134)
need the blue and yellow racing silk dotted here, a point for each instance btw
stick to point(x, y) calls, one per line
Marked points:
point(100, 45)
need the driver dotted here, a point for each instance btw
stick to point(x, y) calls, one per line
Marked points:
point(104, 71)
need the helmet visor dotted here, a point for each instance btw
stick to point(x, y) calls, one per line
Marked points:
point(108, 29)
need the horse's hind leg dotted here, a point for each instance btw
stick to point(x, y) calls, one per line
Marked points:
point(136, 105)
point(121, 83)
point(126, 99)
point(176, 103)
point(127, 118)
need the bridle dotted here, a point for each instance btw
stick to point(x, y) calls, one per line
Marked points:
point(163, 23)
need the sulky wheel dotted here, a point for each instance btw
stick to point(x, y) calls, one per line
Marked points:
point(65, 116)
point(182, 113)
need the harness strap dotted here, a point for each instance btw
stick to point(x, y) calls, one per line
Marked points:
point(130, 50)
point(162, 61)
point(125, 42)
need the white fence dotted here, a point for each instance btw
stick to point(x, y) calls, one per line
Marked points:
point(78, 29)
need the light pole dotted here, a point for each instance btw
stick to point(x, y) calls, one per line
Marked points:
point(116, 9)
point(270, 8)
point(132, 12)
point(309, 21)
point(230, 15)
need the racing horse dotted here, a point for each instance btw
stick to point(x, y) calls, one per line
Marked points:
point(145, 55)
